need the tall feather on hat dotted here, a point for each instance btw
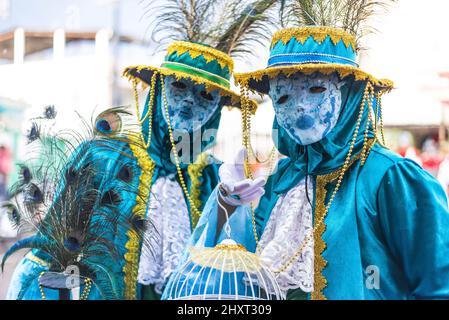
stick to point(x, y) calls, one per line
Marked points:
point(229, 26)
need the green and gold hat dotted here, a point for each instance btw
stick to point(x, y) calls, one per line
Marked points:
point(309, 50)
point(200, 63)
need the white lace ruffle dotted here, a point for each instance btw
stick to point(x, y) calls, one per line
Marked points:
point(289, 224)
point(170, 220)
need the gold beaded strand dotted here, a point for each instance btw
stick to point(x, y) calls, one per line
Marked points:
point(41, 289)
point(149, 114)
point(195, 211)
point(343, 170)
point(379, 101)
point(370, 98)
point(246, 135)
point(87, 288)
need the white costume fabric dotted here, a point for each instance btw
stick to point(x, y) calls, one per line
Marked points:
point(289, 224)
point(167, 233)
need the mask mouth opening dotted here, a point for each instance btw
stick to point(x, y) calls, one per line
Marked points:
point(305, 122)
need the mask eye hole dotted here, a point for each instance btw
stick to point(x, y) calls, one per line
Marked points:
point(283, 99)
point(178, 85)
point(207, 96)
point(316, 90)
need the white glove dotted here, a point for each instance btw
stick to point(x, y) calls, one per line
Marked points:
point(235, 189)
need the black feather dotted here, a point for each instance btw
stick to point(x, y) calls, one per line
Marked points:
point(125, 174)
point(34, 133)
point(50, 112)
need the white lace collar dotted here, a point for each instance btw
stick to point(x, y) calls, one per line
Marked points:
point(290, 222)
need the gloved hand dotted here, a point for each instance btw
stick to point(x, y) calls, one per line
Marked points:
point(235, 189)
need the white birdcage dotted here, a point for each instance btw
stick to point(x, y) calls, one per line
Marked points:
point(225, 272)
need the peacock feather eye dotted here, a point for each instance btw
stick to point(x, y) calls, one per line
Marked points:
point(110, 197)
point(138, 224)
point(34, 194)
point(34, 133)
point(70, 175)
point(103, 126)
point(108, 123)
point(72, 243)
point(125, 174)
point(13, 214)
point(50, 112)
point(26, 174)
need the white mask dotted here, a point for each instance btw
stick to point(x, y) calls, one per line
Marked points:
point(307, 107)
point(190, 106)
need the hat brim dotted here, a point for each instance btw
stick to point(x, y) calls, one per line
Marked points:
point(258, 81)
point(143, 74)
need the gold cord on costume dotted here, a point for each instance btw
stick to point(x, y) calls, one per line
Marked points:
point(366, 101)
point(195, 171)
point(133, 245)
point(150, 108)
point(196, 213)
point(246, 141)
point(370, 97)
point(379, 102)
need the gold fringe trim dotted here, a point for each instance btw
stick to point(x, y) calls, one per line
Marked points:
point(30, 256)
point(320, 282)
point(195, 50)
point(320, 246)
point(319, 34)
point(195, 171)
point(133, 245)
point(210, 86)
point(326, 69)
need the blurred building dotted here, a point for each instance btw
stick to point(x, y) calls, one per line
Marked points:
point(11, 118)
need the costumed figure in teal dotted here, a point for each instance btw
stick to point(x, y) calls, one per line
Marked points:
point(194, 83)
point(342, 217)
point(179, 123)
point(84, 201)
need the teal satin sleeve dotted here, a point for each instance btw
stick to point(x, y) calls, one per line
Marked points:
point(24, 281)
point(415, 219)
point(24, 284)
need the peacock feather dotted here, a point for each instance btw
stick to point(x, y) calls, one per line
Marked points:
point(76, 199)
point(231, 26)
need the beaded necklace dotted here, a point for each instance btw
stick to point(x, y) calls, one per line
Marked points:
point(368, 99)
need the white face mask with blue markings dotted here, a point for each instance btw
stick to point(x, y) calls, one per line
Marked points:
point(307, 107)
point(190, 106)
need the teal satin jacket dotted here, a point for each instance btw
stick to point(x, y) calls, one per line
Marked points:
point(389, 217)
point(24, 283)
point(389, 220)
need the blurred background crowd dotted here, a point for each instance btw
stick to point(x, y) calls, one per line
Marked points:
point(70, 54)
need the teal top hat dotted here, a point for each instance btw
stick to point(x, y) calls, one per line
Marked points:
point(309, 50)
point(200, 63)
